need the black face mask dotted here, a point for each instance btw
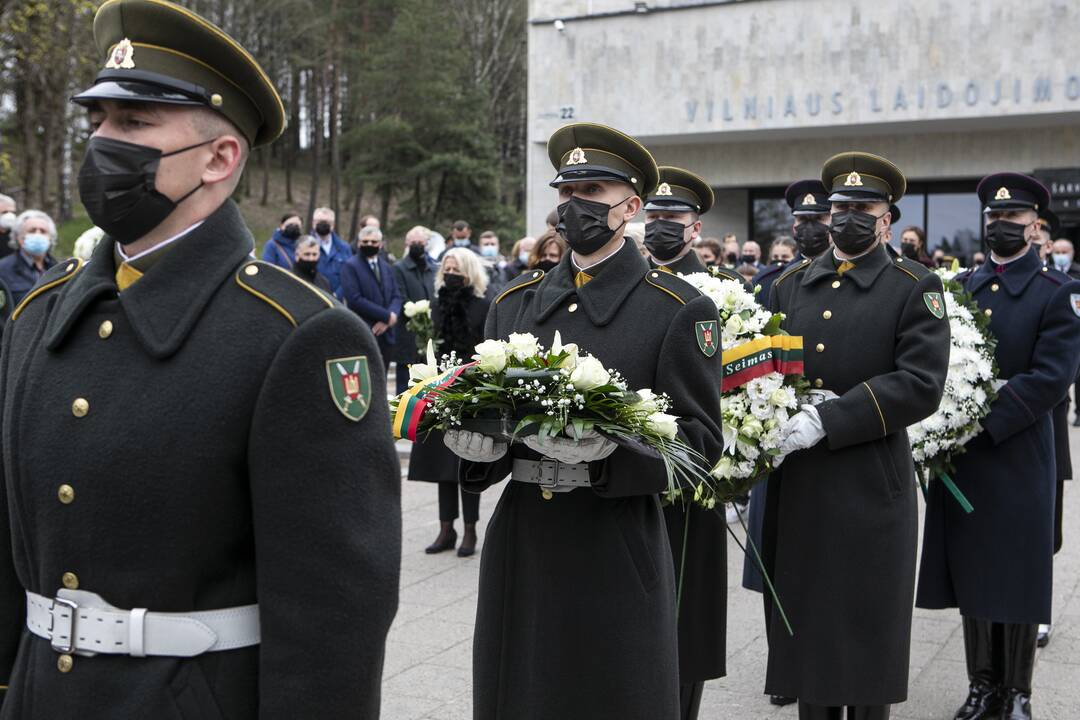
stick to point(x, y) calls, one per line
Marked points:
point(812, 238)
point(748, 259)
point(584, 224)
point(322, 228)
point(453, 281)
point(417, 252)
point(909, 250)
point(368, 251)
point(546, 265)
point(307, 268)
point(291, 231)
point(1005, 238)
point(853, 232)
point(731, 258)
point(664, 239)
point(117, 187)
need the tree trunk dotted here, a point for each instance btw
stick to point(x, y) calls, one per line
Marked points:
point(265, 176)
point(335, 107)
point(384, 212)
point(316, 140)
point(292, 142)
point(358, 200)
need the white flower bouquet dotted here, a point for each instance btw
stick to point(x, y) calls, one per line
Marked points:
point(418, 322)
point(969, 389)
point(516, 388)
point(762, 386)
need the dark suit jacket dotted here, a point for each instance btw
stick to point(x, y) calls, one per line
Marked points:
point(415, 281)
point(373, 299)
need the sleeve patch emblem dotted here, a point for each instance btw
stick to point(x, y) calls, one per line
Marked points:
point(708, 338)
point(350, 386)
point(935, 304)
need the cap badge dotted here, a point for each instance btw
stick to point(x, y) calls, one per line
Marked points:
point(577, 157)
point(122, 56)
point(853, 180)
point(809, 199)
point(1003, 194)
point(664, 189)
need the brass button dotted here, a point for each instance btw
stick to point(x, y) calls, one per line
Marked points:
point(988, 312)
point(573, 307)
point(216, 100)
point(995, 287)
point(1045, 269)
point(64, 663)
point(827, 314)
point(251, 270)
point(536, 274)
point(820, 347)
point(835, 284)
point(70, 580)
point(105, 330)
point(66, 493)
point(819, 382)
point(80, 407)
point(547, 494)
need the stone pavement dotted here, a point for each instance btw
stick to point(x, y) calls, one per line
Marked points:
point(428, 659)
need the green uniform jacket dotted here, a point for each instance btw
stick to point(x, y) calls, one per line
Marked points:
point(209, 467)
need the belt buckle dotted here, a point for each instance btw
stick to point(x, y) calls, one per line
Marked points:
point(547, 474)
point(73, 608)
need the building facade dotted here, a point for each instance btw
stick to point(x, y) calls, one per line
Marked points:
point(753, 94)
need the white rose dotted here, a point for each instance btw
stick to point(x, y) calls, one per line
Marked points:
point(723, 469)
point(589, 374)
point(420, 307)
point(523, 345)
point(491, 356)
point(648, 400)
point(419, 372)
point(664, 425)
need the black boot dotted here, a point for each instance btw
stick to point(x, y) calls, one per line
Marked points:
point(1018, 666)
point(468, 541)
point(819, 712)
point(983, 701)
point(868, 712)
point(446, 541)
point(781, 700)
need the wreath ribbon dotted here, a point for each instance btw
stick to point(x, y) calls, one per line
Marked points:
point(757, 358)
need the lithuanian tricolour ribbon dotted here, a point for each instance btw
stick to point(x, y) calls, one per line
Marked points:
point(753, 359)
point(413, 403)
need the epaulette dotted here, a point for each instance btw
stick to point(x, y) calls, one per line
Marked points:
point(296, 299)
point(55, 276)
point(792, 270)
point(521, 281)
point(908, 268)
point(1054, 275)
point(673, 285)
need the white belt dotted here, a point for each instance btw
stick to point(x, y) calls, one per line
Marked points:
point(552, 475)
point(83, 623)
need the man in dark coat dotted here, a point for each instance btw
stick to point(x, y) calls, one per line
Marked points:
point(996, 564)
point(840, 527)
point(370, 291)
point(698, 537)
point(35, 235)
point(576, 614)
point(415, 278)
point(175, 559)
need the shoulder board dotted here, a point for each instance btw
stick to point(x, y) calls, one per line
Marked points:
point(792, 270)
point(55, 276)
point(1055, 276)
point(723, 272)
point(296, 299)
point(673, 285)
point(521, 281)
point(916, 271)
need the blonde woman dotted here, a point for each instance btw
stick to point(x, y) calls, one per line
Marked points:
point(458, 315)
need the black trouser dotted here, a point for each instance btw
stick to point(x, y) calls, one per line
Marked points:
point(854, 712)
point(690, 700)
point(1000, 654)
point(448, 503)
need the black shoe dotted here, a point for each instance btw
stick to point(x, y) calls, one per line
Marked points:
point(781, 700)
point(1016, 706)
point(445, 541)
point(983, 703)
point(1045, 631)
point(468, 541)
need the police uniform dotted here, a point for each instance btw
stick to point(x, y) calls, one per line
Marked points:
point(576, 615)
point(995, 564)
point(840, 526)
point(144, 469)
point(700, 534)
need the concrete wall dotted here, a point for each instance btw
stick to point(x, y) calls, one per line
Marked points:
point(760, 92)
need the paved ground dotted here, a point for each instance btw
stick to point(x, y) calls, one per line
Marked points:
point(428, 663)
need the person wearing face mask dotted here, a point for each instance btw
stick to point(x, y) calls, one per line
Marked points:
point(371, 291)
point(751, 254)
point(604, 579)
point(35, 234)
point(996, 564)
point(306, 265)
point(519, 262)
point(461, 237)
point(913, 245)
point(458, 316)
point(176, 558)
point(334, 252)
point(548, 252)
point(840, 526)
point(8, 210)
point(415, 277)
point(280, 249)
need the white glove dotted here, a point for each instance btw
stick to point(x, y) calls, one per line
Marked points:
point(591, 447)
point(804, 431)
point(998, 383)
point(474, 447)
point(819, 396)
